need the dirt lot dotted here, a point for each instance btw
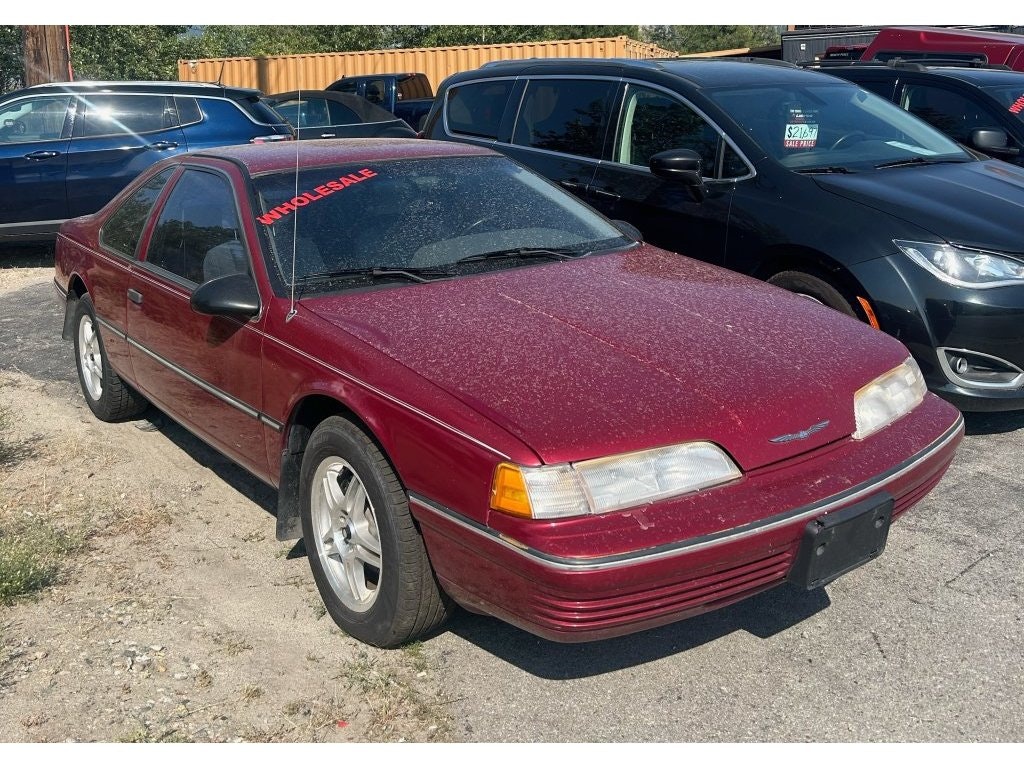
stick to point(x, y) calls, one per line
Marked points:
point(171, 613)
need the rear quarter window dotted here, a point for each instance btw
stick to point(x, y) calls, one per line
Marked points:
point(476, 109)
point(123, 229)
point(259, 110)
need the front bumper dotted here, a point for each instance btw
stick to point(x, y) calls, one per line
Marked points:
point(925, 314)
point(559, 588)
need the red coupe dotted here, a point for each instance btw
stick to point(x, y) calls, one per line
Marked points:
point(468, 387)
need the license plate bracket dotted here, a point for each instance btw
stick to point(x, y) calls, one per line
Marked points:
point(840, 541)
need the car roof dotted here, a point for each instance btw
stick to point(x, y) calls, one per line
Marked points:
point(283, 156)
point(135, 86)
point(979, 76)
point(702, 72)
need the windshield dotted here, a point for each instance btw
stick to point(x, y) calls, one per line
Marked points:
point(1010, 96)
point(834, 125)
point(420, 214)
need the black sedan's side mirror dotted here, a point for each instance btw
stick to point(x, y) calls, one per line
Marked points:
point(230, 295)
point(992, 140)
point(682, 165)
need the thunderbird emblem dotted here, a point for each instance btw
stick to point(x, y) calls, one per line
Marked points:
point(802, 434)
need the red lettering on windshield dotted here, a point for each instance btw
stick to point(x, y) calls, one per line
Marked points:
point(318, 193)
point(1018, 106)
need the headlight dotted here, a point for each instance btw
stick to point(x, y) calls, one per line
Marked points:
point(604, 485)
point(888, 397)
point(964, 267)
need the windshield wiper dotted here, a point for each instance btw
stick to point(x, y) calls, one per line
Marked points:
point(554, 254)
point(824, 169)
point(918, 160)
point(409, 273)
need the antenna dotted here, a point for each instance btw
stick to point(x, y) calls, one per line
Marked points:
point(295, 216)
point(221, 73)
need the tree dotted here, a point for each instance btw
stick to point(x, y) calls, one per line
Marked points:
point(702, 38)
point(12, 68)
point(122, 52)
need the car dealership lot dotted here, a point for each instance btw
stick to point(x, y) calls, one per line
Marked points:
point(923, 644)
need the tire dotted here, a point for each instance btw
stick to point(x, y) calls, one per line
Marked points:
point(816, 289)
point(107, 395)
point(367, 556)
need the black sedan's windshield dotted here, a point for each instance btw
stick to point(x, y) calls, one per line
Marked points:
point(833, 126)
point(1010, 96)
point(422, 215)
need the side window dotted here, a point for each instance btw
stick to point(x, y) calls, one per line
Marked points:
point(347, 87)
point(109, 114)
point(955, 115)
point(476, 109)
point(339, 114)
point(313, 113)
point(653, 122)
point(568, 116)
point(376, 90)
point(122, 230)
point(883, 88)
point(733, 166)
point(197, 236)
point(40, 119)
point(188, 110)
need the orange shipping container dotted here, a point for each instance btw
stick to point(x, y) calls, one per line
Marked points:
point(277, 74)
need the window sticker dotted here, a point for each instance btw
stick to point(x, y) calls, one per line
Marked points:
point(318, 193)
point(1018, 106)
point(801, 130)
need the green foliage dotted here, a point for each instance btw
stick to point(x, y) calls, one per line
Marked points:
point(701, 38)
point(12, 68)
point(121, 52)
point(31, 554)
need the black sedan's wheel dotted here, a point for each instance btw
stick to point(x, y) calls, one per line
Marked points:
point(108, 397)
point(367, 557)
point(814, 288)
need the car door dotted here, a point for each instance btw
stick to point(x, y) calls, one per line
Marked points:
point(117, 136)
point(561, 127)
point(668, 214)
point(204, 371)
point(33, 162)
point(957, 113)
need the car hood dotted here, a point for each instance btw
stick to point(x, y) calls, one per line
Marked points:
point(621, 352)
point(977, 203)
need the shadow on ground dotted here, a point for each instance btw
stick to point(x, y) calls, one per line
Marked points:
point(763, 615)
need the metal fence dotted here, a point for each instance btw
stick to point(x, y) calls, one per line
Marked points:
point(276, 74)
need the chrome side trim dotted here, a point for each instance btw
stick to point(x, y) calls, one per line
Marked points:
point(275, 425)
point(385, 395)
point(60, 289)
point(113, 329)
point(30, 225)
point(218, 393)
point(590, 565)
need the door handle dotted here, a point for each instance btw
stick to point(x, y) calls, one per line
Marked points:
point(570, 184)
point(605, 193)
point(134, 296)
point(164, 145)
point(328, 135)
point(42, 154)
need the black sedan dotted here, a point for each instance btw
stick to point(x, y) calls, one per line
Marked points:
point(332, 115)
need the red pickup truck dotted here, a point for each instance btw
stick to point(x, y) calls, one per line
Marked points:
point(947, 44)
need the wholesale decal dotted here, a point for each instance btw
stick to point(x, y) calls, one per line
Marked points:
point(1018, 106)
point(317, 193)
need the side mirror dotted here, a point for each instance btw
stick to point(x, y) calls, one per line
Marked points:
point(992, 140)
point(682, 165)
point(230, 295)
point(628, 230)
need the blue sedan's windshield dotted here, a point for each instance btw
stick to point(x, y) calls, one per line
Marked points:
point(833, 125)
